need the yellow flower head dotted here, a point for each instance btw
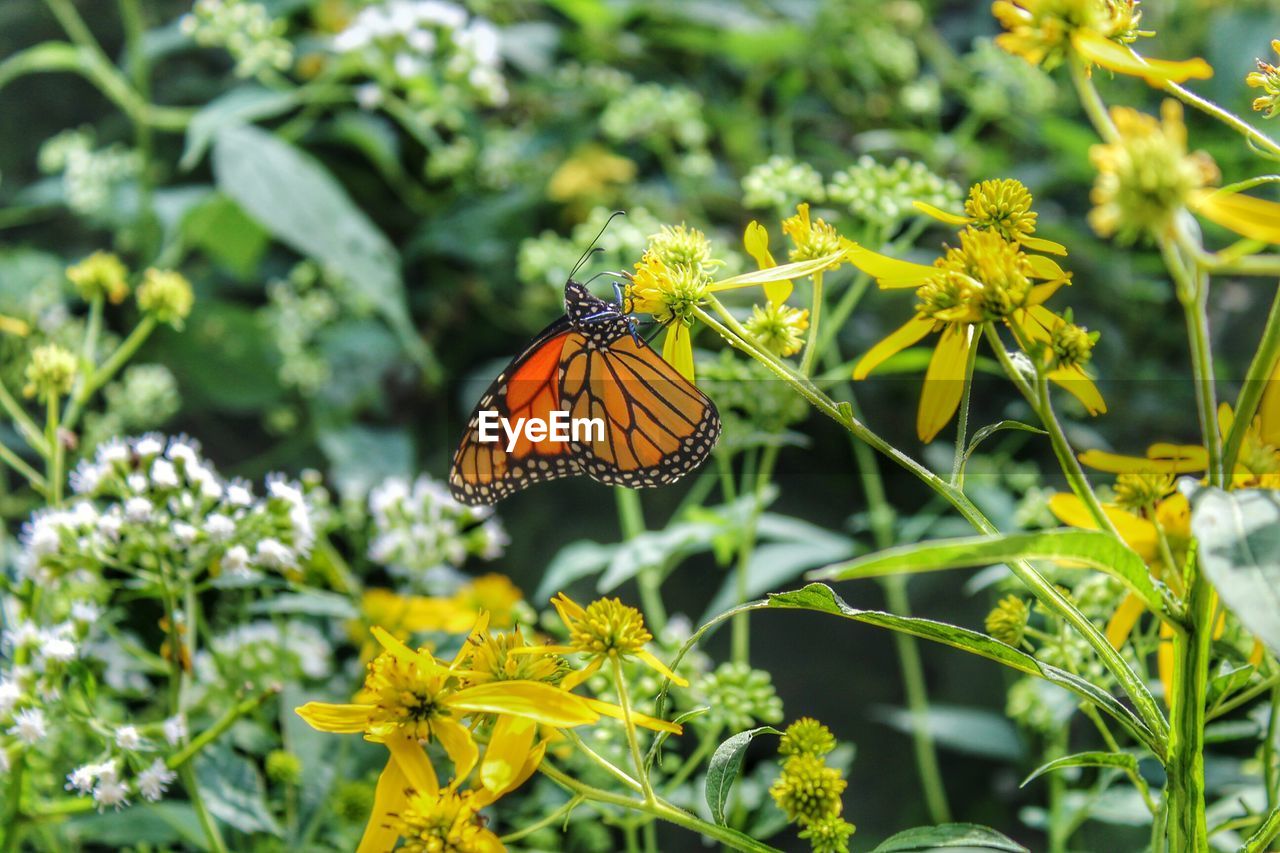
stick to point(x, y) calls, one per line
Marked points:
point(998, 266)
point(166, 295)
point(406, 693)
point(488, 658)
point(50, 373)
point(1003, 206)
point(678, 246)
point(813, 238)
point(100, 274)
point(1007, 622)
point(828, 835)
point(668, 293)
point(778, 328)
point(1146, 175)
point(1266, 78)
point(493, 594)
point(1138, 491)
point(1071, 345)
point(591, 172)
point(606, 628)
point(447, 821)
point(806, 736)
point(1040, 30)
point(808, 790)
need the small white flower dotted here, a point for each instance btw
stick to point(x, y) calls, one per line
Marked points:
point(29, 726)
point(82, 778)
point(368, 96)
point(137, 510)
point(85, 612)
point(182, 451)
point(219, 527)
point(111, 792)
point(23, 634)
point(42, 537)
point(274, 554)
point(155, 780)
point(175, 729)
point(87, 476)
point(236, 560)
point(137, 482)
point(57, 648)
point(109, 525)
point(148, 445)
point(113, 452)
point(238, 494)
point(10, 693)
point(164, 475)
point(185, 533)
point(128, 738)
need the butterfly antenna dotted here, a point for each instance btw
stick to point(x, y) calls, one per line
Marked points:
point(592, 248)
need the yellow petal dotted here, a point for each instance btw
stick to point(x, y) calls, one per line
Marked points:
point(1257, 653)
point(1039, 244)
point(408, 757)
point(481, 625)
point(756, 241)
point(573, 679)
point(14, 326)
point(940, 214)
point(1179, 460)
point(570, 611)
point(389, 798)
point(677, 349)
point(1122, 621)
point(888, 272)
point(908, 334)
point(1096, 47)
point(540, 702)
point(1174, 515)
point(608, 709)
point(1255, 218)
point(943, 382)
point(508, 749)
point(1269, 411)
point(1040, 293)
point(400, 651)
point(1076, 382)
point(458, 743)
point(1042, 267)
point(329, 717)
point(1138, 533)
point(660, 667)
point(1164, 660)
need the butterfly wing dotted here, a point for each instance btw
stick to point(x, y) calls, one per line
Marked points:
point(484, 472)
point(657, 425)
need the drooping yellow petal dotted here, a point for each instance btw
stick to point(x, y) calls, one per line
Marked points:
point(483, 796)
point(1269, 410)
point(508, 749)
point(568, 609)
point(458, 743)
point(1255, 218)
point(389, 798)
point(1257, 653)
point(660, 667)
point(608, 709)
point(1048, 268)
point(1138, 533)
point(1120, 626)
point(756, 241)
point(412, 762)
point(677, 349)
point(908, 334)
point(888, 272)
point(940, 214)
point(481, 625)
point(943, 382)
point(541, 702)
point(401, 652)
point(1164, 660)
point(1116, 463)
point(1099, 49)
point(330, 717)
point(1039, 244)
point(1077, 383)
point(1040, 293)
point(573, 679)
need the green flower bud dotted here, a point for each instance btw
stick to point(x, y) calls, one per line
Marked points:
point(738, 697)
point(166, 295)
point(284, 768)
point(807, 736)
point(353, 801)
point(51, 373)
point(1008, 621)
point(828, 835)
point(808, 790)
point(101, 275)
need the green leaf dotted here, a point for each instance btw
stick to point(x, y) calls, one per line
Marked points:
point(774, 564)
point(1227, 682)
point(726, 763)
point(1239, 550)
point(949, 836)
point(574, 561)
point(1121, 760)
point(821, 598)
point(972, 731)
point(234, 791)
point(218, 227)
point(991, 429)
point(799, 269)
point(303, 206)
point(1089, 547)
point(310, 603)
point(165, 824)
point(239, 106)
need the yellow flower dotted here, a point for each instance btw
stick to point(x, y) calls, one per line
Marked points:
point(589, 173)
point(444, 822)
point(987, 278)
point(778, 328)
point(1003, 206)
point(1266, 78)
point(606, 628)
point(756, 241)
point(813, 238)
point(404, 615)
point(102, 274)
point(50, 373)
point(1046, 32)
point(669, 295)
point(165, 295)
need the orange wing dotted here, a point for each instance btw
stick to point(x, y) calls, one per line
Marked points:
point(485, 472)
point(658, 426)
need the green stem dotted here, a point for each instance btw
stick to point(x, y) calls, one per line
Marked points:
point(1270, 772)
point(23, 422)
point(563, 812)
point(815, 321)
point(1256, 381)
point(103, 374)
point(1094, 108)
point(1193, 293)
point(605, 764)
point(207, 823)
point(1058, 823)
point(20, 465)
point(1261, 839)
point(633, 741)
point(962, 421)
point(1040, 586)
point(649, 578)
point(53, 468)
point(658, 808)
point(1187, 829)
point(1230, 119)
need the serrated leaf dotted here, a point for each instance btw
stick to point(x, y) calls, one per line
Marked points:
point(821, 598)
point(726, 764)
point(1120, 760)
point(1239, 550)
point(949, 836)
point(1087, 547)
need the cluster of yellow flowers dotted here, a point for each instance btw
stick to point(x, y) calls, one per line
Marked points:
point(500, 690)
point(809, 791)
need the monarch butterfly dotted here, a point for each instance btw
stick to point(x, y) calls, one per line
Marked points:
point(590, 363)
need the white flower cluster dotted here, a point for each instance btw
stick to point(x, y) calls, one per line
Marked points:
point(245, 30)
point(89, 175)
point(265, 648)
point(150, 501)
point(430, 50)
point(419, 527)
point(103, 780)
